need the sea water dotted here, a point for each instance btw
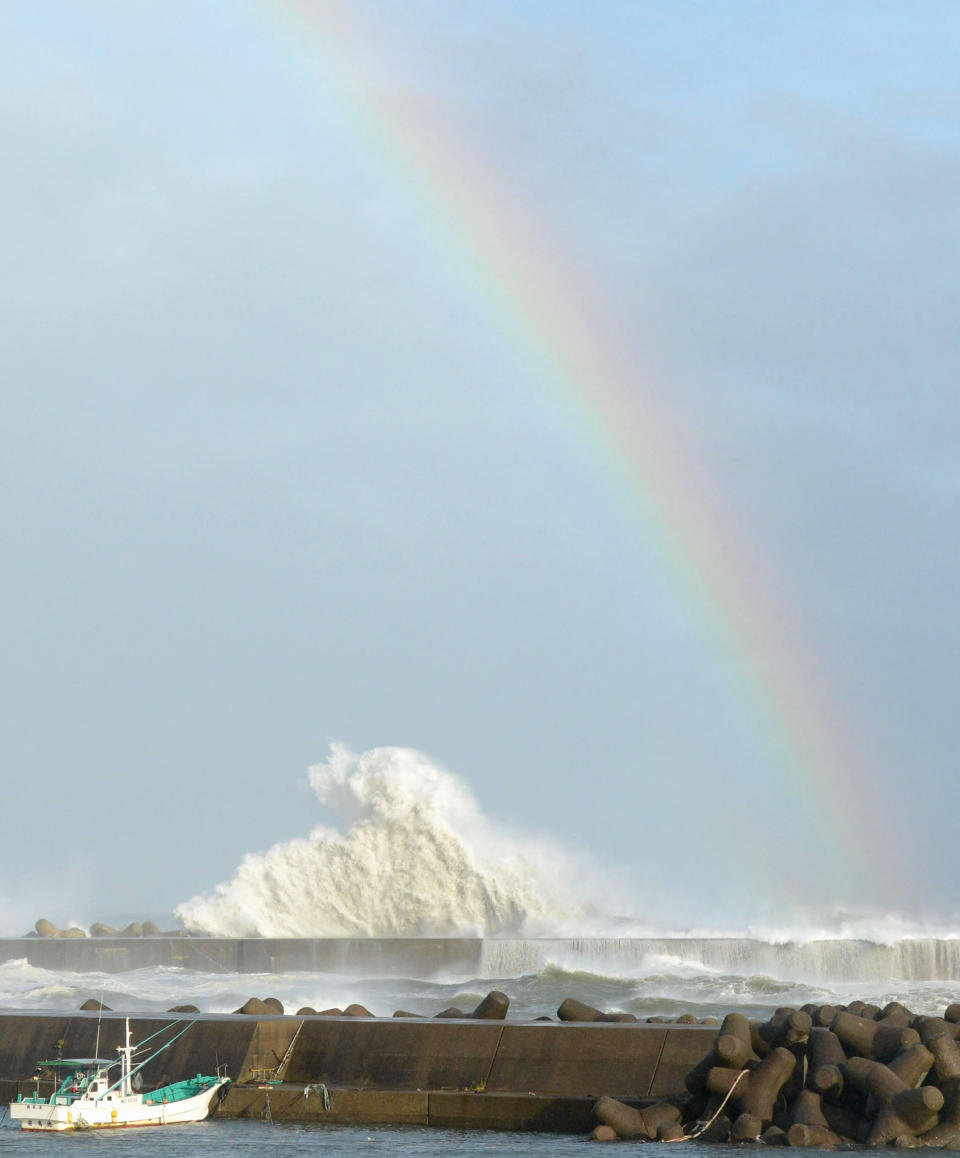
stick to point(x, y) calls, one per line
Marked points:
point(239, 1139)
point(414, 856)
point(263, 1140)
point(638, 979)
point(633, 977)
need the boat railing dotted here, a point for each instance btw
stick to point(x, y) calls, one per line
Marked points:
point(58, 1097)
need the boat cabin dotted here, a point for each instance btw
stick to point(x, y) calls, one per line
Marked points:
point(73, 1078)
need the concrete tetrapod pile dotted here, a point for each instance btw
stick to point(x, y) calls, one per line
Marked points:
point(47, 929)
point(818, 1076)
point(492, 1008)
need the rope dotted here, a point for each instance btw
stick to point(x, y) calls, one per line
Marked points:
point(138, 1048)
point(156, 1053)
point(216, 964)
point(702, 1127)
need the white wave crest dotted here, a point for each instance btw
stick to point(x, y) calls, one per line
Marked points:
point(417, 858)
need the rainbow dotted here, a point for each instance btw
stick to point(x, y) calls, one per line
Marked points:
point(614, 407)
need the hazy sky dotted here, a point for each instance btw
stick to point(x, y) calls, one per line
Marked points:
point(286, 459)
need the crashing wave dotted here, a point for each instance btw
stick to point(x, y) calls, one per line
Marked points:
point(415, 856)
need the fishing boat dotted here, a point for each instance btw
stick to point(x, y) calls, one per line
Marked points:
point(88, 1096)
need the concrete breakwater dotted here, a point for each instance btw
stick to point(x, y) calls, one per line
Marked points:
point(819, 1076)
point(922, 959)
point(449, 1072)
point(420, 957)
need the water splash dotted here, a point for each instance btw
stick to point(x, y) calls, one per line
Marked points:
point(642, 985)
point(416, 857)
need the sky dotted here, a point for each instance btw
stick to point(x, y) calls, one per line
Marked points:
point(566, 391)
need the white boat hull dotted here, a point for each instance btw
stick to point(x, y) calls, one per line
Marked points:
point(113, 1113)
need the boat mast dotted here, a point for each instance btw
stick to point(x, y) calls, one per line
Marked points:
point(126, 1053)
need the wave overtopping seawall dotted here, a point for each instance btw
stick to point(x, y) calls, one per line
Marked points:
point(617, 958)
point(412, 854)
point(921, 959)
point(414, 857)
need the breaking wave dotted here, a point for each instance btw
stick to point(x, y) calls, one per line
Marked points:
point(415, 857)
point(656, 985)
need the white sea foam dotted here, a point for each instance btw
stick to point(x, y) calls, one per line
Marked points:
point(415, 856)
point(656, 986)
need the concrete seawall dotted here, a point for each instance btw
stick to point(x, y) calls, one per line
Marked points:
point(347, 955)
point(916, 960)
point(503, 1075)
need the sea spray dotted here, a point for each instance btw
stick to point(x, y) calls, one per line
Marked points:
point(644, 986)
point(415, 857)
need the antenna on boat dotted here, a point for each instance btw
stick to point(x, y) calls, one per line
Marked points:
point(96, 1048)
point(126, 1060)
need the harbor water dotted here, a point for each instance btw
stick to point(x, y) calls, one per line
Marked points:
point(214, 1139)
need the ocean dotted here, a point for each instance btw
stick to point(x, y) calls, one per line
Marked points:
point(258, 1139)
point(415, 857)
point(703, 976)
point(667, 977)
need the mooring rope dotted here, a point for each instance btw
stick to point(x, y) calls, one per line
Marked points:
point(702, 1127)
